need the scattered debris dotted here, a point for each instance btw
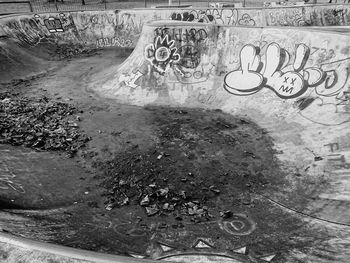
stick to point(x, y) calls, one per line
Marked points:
point(165, 182)
point(318, 158)
point(152, 210)
point(145, 201)
point(226, 214)
point(39, 123)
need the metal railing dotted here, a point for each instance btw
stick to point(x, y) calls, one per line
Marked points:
point(75, 5)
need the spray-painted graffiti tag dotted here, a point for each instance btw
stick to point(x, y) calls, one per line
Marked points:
point(53, 24)
point(239, 225)
point(162, 53)
point(131, 79)
point(182, 35)
point(287, 81)
point(113, 42)
point(215, 16)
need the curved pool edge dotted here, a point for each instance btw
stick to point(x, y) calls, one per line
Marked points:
point(47, 251)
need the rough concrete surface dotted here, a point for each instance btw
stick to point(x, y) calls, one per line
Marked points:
point(211, 135)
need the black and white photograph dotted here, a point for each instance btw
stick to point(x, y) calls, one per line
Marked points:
point(140, 131)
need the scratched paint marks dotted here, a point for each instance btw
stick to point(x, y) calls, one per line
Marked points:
point(25, 31)
point(8, 179)
point(32, 30)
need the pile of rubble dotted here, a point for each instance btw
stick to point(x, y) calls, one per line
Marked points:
point(200, 166)
point(144, 180)
point(40, 123)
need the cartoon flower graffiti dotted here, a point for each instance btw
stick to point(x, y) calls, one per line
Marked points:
point(162, 53)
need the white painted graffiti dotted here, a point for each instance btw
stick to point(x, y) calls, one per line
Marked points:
point(285, 79)
point(54, 24)
point(113, 42)
point(130, 79)
point(239, 225)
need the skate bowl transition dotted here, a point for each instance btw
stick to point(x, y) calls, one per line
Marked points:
point(276, 67)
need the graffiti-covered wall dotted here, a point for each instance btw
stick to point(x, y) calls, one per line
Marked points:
point(293, 82)
point(211, 65)
point(122, 28)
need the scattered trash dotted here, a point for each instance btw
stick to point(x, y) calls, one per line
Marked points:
point(226, 214)
point(318, 158)
point(145, 201)
point(109, 207)
point(40, 124)
point(152, 210)
point(167, 182)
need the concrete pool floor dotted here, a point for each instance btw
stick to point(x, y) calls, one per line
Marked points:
point(62, 200)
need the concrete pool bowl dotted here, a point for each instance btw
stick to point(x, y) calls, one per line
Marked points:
point(232, 123)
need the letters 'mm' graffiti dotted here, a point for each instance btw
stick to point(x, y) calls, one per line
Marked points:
point(287, 80)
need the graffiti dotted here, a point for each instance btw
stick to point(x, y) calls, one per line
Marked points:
point(206, 98)
point(331, 99)
point(113, 42)
point(336, 17)
point(287, 81)
point(124, 229)
point(337, 77)
point(7, 181)
point(162, 53)
point(102, 19)
point(238, 225)
point(246, 20)
point(193, 75)
point(218, 16)
point(325, 111)
point(127, 24)
point(323, 52)
point(215, 16)
point(332, 146)
point(190, 56)
point(216, 5)
point(185, 16)
point(182, 35)
point(52, 24)
point(337, 159)
point(293, 17)
point(130, 79)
